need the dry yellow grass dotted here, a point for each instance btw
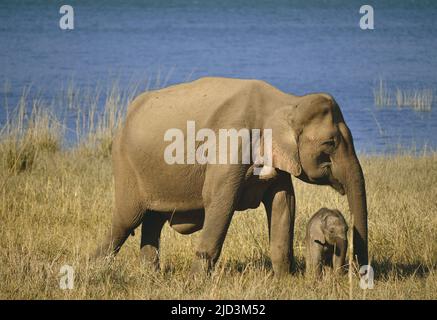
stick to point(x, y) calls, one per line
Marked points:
point(56, 213)
point(55, 209)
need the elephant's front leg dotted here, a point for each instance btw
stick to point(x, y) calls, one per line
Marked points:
point(314, 258)
point(217, 220)
point(220, 193)
point(279, 203)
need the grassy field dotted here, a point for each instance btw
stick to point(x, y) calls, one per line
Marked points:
point(56, 205)
point(56, 213)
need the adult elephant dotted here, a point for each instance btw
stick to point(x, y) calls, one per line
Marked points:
point(310, 141)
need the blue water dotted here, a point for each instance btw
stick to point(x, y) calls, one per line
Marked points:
point(298, 46)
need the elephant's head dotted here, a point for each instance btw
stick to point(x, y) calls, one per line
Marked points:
point(312, 142)
point(334, 227)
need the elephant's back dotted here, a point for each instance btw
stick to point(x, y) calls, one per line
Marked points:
point(209, 103)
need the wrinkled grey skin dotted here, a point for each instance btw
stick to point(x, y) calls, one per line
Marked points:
point(326, 241)
point(310, 141)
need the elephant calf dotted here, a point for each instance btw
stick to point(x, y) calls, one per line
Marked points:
point(326, 241)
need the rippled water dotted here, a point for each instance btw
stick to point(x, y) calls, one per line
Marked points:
point(300, 47)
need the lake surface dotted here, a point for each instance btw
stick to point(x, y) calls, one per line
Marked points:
point(298, 46)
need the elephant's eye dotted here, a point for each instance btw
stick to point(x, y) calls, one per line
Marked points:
point(329, 146)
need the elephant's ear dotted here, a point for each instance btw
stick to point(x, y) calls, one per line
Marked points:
point(318, 236)
point(285, 135)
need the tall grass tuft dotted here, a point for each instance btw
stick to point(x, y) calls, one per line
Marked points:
point(420, 100)
point(417, 99)
point(97, 116)
point(29, 134)
point(90, 116)
point(382, 95)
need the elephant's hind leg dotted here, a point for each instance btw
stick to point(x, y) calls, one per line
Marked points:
point(120, 230)
point(129, 203)
point(127, 217)
point(150, 237)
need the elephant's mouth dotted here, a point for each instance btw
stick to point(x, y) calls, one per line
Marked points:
point(329, 179)
point(319, 171)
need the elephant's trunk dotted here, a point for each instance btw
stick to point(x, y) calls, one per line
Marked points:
point(347, 169)
point(353, 181)
point(339, 258)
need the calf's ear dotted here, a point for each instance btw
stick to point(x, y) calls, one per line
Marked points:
point(318, 237)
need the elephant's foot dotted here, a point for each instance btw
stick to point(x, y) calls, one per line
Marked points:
point(340, 271)
point(150, 257)
point(281, 267)
point(114, 239)
point(201, 266)
point(314, 269)
point(101, 255)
